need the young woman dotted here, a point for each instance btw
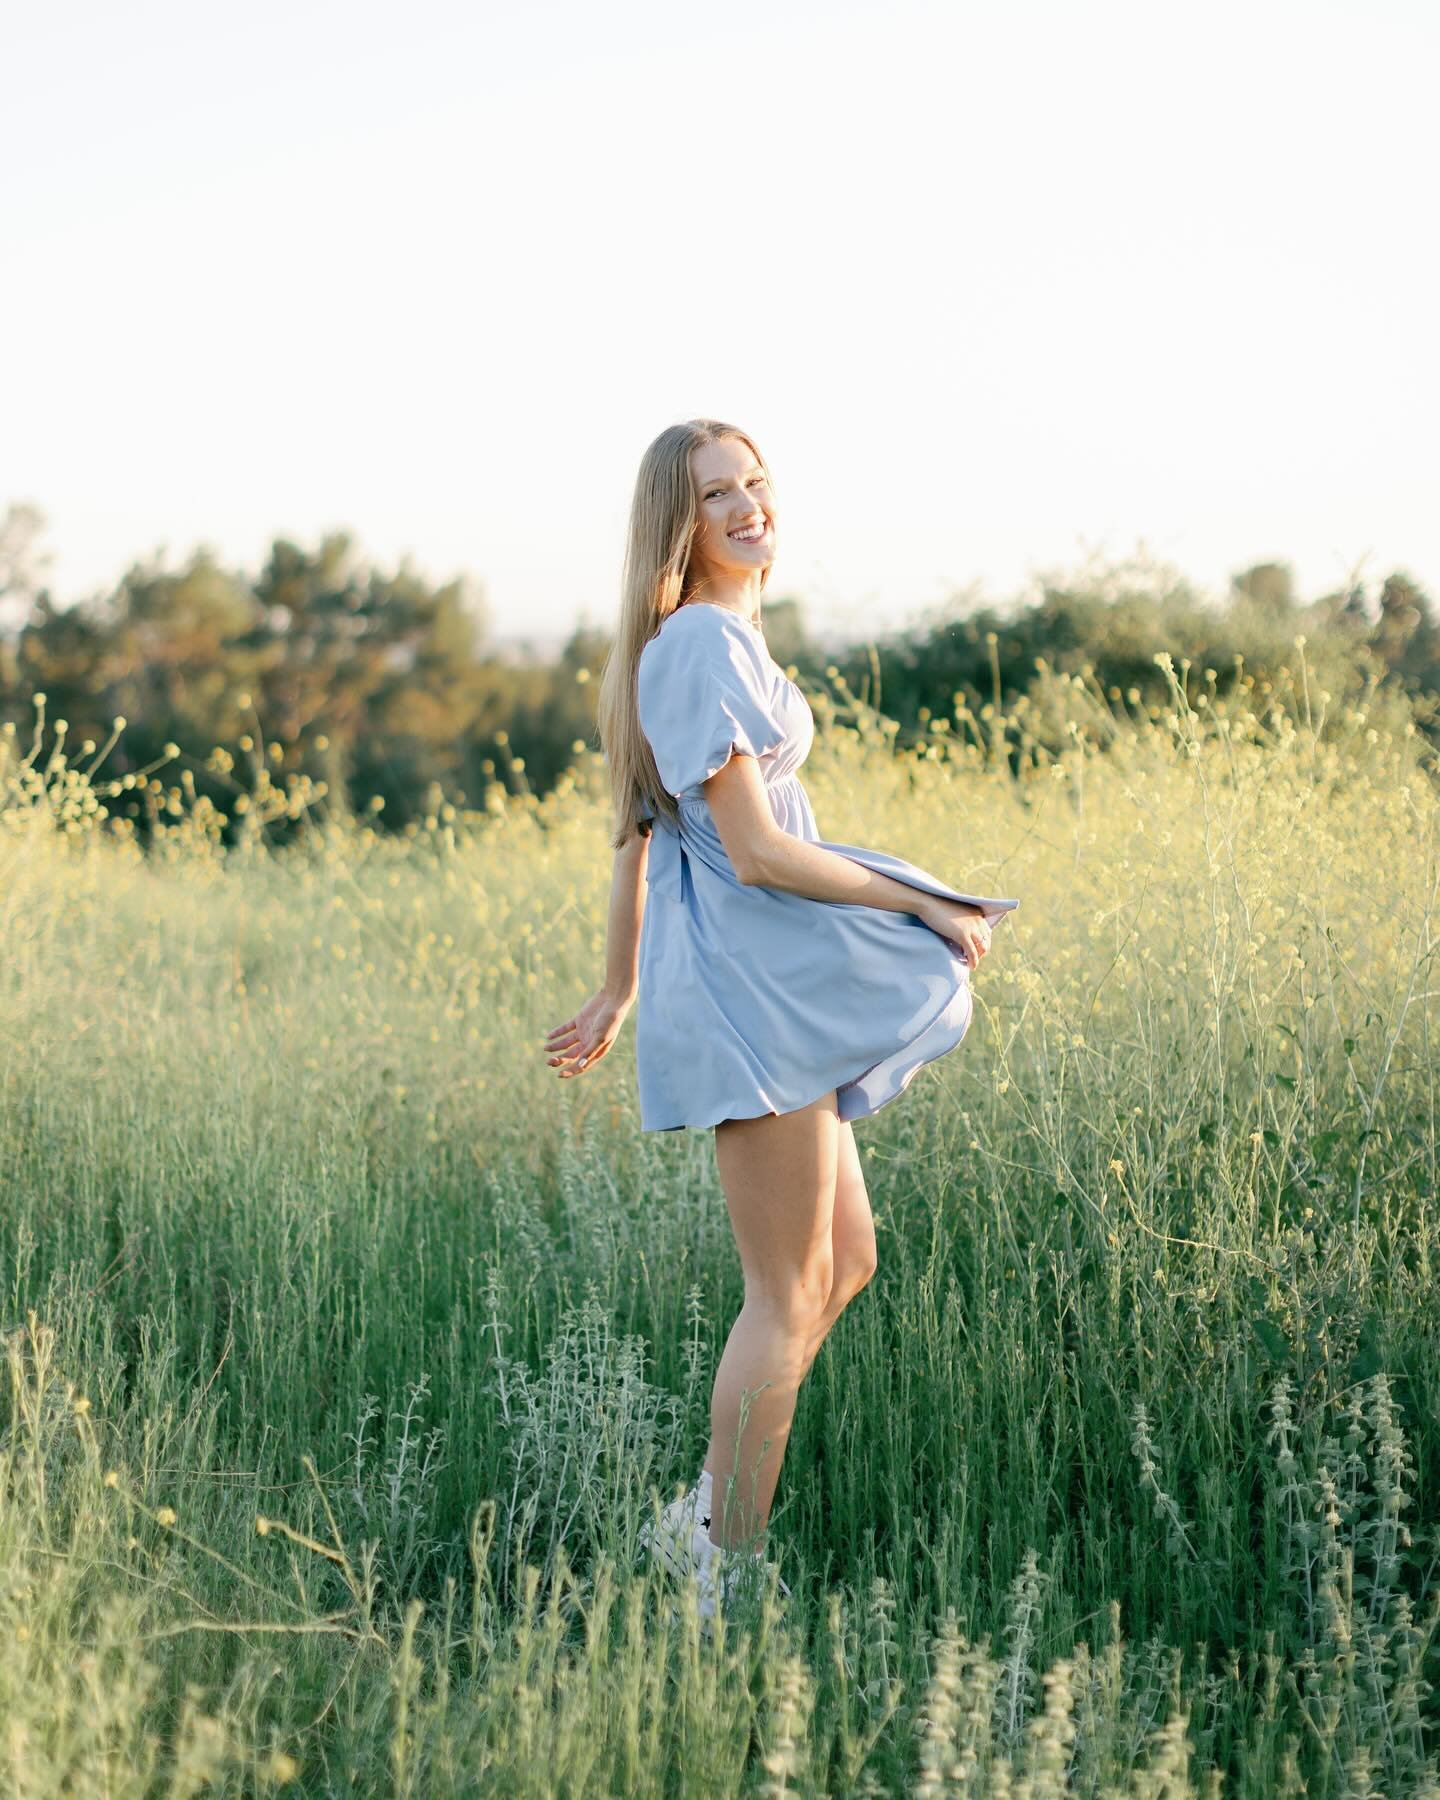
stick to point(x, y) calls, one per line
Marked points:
point(785, 985)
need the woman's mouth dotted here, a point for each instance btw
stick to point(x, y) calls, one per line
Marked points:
point(752, 534)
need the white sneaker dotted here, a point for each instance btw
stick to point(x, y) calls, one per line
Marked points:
point(681, 1541)
point(674, 1539)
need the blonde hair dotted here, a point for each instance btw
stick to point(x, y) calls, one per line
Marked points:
point(664, 523)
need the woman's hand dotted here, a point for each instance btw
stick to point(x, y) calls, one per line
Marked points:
point(579, 1043)
point(959, 924)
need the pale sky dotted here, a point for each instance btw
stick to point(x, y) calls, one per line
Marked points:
point(995, 287)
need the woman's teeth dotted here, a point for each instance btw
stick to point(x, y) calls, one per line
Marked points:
point(749, 537)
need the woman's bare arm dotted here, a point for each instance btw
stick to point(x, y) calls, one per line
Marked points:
point(576, 1045)
point(627, 913)
point(763, 855)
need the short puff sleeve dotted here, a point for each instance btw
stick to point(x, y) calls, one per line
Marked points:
point(704, 693)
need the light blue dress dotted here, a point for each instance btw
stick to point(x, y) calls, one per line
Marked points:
point(752, 1000)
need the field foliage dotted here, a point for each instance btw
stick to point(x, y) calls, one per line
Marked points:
point(345, 1349)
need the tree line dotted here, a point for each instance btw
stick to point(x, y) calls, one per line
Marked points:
point(390, 689)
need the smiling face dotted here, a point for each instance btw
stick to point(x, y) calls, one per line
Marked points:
point(731, 495)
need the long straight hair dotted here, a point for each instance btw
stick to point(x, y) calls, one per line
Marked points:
point(664, 523)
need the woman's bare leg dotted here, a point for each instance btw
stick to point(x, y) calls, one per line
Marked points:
point(782, 1177)
point(852, 1238)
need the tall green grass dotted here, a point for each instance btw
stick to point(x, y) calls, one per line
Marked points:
point(345, 1349)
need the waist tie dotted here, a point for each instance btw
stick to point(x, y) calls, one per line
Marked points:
point(664, 863)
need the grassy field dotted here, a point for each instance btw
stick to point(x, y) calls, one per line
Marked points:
point(345, 1349)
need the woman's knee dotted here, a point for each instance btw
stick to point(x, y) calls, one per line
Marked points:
point(859, 1269)
point(851, 1277)
point(795, 1298)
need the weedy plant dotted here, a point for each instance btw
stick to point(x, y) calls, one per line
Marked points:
point(344, 1353)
